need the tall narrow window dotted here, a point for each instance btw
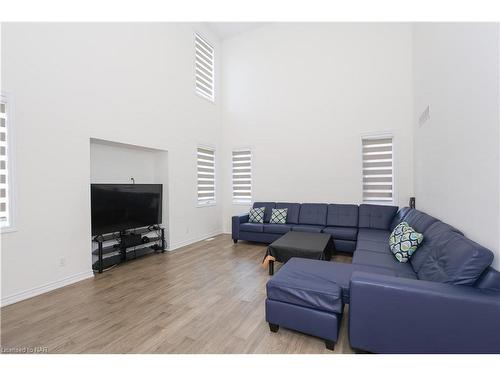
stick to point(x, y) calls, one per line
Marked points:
point(206, 176)
point(378, 169)
point(242, 176)
point(5, 204)
point(204, 68)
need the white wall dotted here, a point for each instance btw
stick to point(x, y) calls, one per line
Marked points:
point(301, 96)
point(115, 163)
point(456, 73)
point(124, 82)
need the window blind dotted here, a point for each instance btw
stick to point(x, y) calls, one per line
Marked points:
point(378, 176)
point(206, 175)
point(242, 176)
point(4, 167)
point(204, 68)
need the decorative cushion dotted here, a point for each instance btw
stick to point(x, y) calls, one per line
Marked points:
point(403, 241)
point(278, 216)
point(256, 215)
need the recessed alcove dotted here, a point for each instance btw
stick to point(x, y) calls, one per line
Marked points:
point(118, 163)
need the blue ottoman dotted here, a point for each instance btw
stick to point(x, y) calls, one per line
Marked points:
point(305, 301)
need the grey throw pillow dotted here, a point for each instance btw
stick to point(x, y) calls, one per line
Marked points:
point(256, 215)
point(278, 215)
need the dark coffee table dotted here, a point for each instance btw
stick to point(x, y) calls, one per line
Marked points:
point(301, 245)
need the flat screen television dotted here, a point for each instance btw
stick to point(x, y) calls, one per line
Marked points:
point(117, 207)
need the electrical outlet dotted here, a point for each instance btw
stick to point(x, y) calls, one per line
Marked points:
point(62, 262)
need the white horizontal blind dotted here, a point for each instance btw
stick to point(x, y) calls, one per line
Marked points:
point(204, 68)
point(206, 175)
point(4, 167)
point(242, 176)
point(378, 176)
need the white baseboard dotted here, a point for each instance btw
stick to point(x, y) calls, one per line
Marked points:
point(16, 297)
point(177, 245)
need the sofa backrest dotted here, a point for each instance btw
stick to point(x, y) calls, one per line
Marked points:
point(435, 236)
point(489, 280)
point(419, 220)
point(292, 214)
point(460, 261)
point(399, 217)
point(376, 217)
point(342, 215)
point(267, 213)
point(313, 213)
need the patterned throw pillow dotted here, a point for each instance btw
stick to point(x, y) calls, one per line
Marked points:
point(278, 215)
point(256, 215)
point(403, 241)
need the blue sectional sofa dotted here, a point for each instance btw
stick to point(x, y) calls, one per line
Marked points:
point(339, 220)
point(446, 299)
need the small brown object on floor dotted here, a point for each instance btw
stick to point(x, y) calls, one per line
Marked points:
point(267, 259)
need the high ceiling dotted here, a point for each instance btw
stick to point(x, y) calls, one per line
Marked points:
point(226, 30)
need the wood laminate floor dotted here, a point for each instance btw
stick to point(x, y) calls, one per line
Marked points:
point(207, 297)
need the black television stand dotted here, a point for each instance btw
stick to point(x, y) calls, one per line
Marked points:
point(117, 247)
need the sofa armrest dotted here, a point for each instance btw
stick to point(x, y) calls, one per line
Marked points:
point(388, 314)
point(235, 227)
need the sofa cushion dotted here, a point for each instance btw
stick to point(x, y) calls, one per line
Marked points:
point(269, 206)
point(435, 236)
point(277, 228)
point(399, 217)
point(387, 260)
point(256, 215)
point(378, 247)
point(307, 284)
point(403, 241)
point(278, 215)
point(315, 272)
point(375, 216)
point(342, 215)
point(292, 215)
point(342, 233)
point(377, 235)
point(344, 245)
point(307, 228)
point(419, 220)
point(460, 261)
point(251, 227)
point(313, 214)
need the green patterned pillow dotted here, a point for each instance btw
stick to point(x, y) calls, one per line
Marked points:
point(256, 215)
point(278, 215)
point(403, 241)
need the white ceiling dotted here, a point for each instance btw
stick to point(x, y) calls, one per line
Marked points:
point(226, 30)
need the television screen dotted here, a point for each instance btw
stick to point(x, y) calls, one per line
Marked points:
point(116, 207)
